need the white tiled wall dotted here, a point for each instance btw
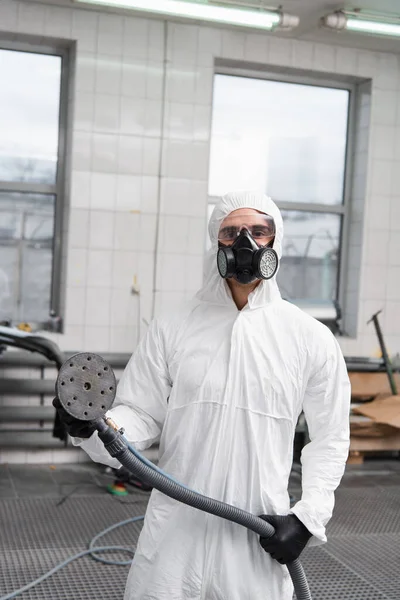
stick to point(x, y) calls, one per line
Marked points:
point(140, 153)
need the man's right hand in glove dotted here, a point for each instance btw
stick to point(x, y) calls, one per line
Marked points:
point(75, 427)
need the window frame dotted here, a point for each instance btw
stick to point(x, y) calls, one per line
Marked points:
point(316, 80)
point(58, 189)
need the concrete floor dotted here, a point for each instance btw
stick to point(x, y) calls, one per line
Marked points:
point(49, 513)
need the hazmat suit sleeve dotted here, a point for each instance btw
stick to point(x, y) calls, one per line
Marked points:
point(326, 408)
point(141, 400)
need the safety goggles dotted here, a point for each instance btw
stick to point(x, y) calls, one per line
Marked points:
point(261, 228)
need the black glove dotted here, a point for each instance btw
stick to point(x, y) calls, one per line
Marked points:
point(289, 539)
point(75, 427)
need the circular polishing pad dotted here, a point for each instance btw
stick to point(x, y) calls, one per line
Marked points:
point(86, 386)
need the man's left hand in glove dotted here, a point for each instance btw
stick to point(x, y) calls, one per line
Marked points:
point(289, 539)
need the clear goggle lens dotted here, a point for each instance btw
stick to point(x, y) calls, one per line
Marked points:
point(260, 227)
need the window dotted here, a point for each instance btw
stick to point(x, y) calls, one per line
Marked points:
point(289, 140)
point(30, 184)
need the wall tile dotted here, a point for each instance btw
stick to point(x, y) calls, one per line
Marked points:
point(280, 51)
point(106, 113)
point(175, 196)
point(99, 268)
point(151, 156)
point(324, 58)
point(84, 29)
point(196, 235)
point(150, 193)
point(104, 152)
point(154, 80)
point(202, 123)
point(394, 250)
point(80, 189)
point(171, 274)
point(9, 15)
point(387, 76)
point(210, 41)
point(374, 282)
point(130, 154)
point(152, 118)
point(82, 151)
point(384, 107)
point(367, 64)
point(77, 267)
point(383, 141)
point(155, 46)
point(183, 42)
point(31, 18)
point(83, 111)
point(174, 234)
point(391, 320)
point(147, 232)
point(256, 47)
point(108, 75)
point(233, 44)
point(134, 78)
point(346, 61)
point(135, 37)
point(101, 229)
point(98, 306)
point(103, 191)
point(376, 248)
point(302, 54)
point(177, 160)
point(180, 83)
point(395, 179)
point(124, 309)
point(395, 211)
point(132, 116)
point(199, 159)
point(204, 85)
point(129, 189)
point(110, 34)
point(58, 22)
point(393, 283)
point(380, 205)
point(78, 229)
point(96, 338)
point(123, 339)
point(381, 178)
point(75, 305)
point(124, 268)
point(73, 338)
point(127, 235)
point(179, 119)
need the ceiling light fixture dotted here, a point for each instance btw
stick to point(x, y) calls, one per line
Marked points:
point(363, 22)
point(258, 18)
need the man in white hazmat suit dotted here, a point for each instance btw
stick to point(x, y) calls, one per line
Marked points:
point(221, 383)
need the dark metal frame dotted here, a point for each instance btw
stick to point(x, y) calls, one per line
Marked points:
point(58, 190)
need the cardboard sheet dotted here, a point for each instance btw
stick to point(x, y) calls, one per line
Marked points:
point(384, 409)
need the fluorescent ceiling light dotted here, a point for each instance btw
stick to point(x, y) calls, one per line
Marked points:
point(259, 19)
point(363, 22)
point(373, 27)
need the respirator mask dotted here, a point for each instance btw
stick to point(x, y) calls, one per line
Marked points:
point(245, 251)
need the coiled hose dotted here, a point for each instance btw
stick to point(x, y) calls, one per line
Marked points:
point(119, 448)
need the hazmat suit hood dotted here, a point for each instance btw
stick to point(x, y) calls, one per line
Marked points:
point(215, 289)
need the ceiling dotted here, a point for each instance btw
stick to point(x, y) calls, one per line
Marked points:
point(310, 12)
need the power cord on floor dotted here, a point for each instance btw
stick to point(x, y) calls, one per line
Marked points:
point(92, 551)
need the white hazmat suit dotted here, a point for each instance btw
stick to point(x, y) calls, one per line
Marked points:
point(222, 390)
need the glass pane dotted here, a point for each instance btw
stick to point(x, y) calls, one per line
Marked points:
point(29, 113)
point(26, 252)
point(309, 266)
point(286, 139)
